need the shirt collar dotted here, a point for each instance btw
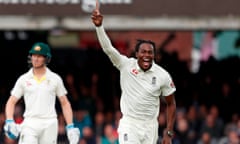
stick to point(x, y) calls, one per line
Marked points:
point(30, 72)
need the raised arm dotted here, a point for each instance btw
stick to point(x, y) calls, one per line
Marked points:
point(104, 40)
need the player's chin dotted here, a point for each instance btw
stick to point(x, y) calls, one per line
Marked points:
point(146, 67)
point(38, 65)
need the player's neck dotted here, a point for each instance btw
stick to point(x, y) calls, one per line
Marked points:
point(39, 72)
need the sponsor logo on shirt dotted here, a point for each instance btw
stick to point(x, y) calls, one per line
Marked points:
point(125, 137)
point(28, 83)
point(154, 80)
point(172, 84)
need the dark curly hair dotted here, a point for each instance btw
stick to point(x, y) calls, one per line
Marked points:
point(141, 41)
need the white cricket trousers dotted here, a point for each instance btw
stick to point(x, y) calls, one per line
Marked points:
point(132, 131)
point(39, 131)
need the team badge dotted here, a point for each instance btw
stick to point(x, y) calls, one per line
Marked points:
point(37, 48)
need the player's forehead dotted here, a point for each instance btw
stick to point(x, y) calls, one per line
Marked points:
point(146, 46)
point(37, 55)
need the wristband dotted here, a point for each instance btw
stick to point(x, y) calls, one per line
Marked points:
point(9, 121)
point(69, 126)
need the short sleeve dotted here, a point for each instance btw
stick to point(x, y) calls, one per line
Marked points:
point(169, 86)
point(17, 90)
point(61, 90)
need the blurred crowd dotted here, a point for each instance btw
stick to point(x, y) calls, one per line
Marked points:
point(207, 101)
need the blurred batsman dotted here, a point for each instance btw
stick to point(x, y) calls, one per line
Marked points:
point(142, 83)
point(39, 88)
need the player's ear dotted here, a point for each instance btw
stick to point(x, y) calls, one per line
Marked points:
point(29, 60)
point(136, 54)
point(48, 59)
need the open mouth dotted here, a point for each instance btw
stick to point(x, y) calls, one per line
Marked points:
point(146, 62)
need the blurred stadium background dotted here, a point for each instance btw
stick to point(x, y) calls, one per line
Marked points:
point(198, 43)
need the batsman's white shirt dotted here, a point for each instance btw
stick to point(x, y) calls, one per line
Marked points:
point(40, 97)
point(140, 90)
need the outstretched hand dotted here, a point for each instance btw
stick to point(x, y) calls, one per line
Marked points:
point(97, 18)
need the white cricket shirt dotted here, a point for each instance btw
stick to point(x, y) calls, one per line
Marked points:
point(140, 90)
point(40, 97)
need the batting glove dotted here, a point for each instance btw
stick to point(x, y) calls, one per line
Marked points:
point(11, 129)
point(73, 134)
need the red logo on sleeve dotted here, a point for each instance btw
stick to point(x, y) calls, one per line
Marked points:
point(172, 85)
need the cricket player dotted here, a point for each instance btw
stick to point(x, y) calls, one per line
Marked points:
point(142, 83)
point(39, 88)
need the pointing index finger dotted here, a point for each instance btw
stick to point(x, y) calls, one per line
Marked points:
point(97, 6)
